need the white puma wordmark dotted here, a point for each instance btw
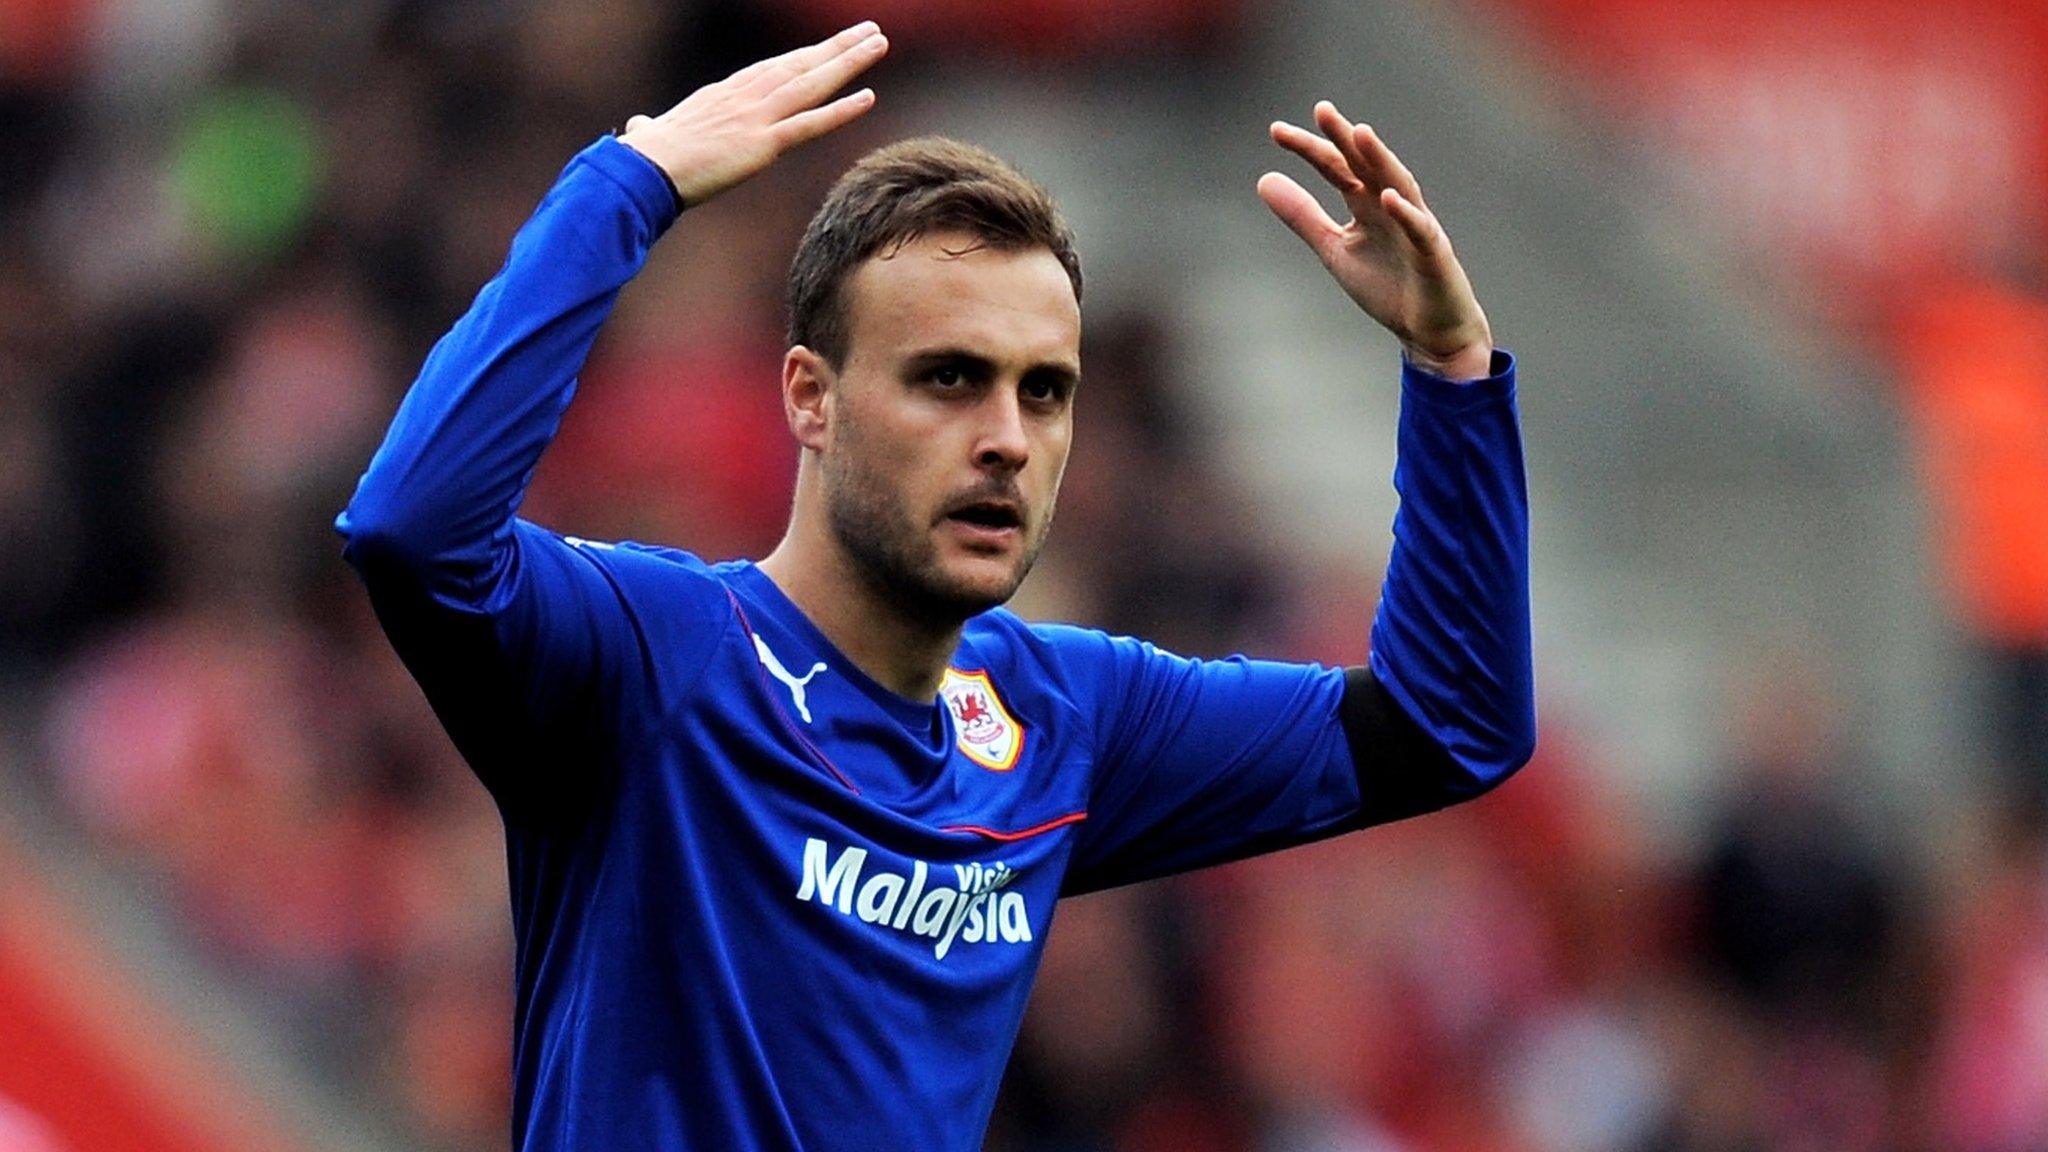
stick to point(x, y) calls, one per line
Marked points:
point(796, 684)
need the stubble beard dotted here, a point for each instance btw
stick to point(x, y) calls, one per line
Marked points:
point(894, 555)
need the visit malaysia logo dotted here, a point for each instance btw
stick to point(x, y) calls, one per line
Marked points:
point(986, 731)
point(978, 907)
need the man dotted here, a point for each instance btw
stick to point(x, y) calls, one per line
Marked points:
point(785, 837)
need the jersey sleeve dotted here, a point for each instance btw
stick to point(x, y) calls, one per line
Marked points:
point(1199, 762)
point(1451, 642)
point(519, 637)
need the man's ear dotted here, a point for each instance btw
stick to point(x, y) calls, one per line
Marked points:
point(810, 388)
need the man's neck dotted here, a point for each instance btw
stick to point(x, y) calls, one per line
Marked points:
point(895, 648)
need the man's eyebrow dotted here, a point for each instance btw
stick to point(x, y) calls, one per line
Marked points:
point(934, 356)
point(966, 358)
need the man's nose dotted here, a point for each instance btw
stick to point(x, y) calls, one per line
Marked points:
point(1003, 443)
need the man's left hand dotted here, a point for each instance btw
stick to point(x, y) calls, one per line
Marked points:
point(1392, 257)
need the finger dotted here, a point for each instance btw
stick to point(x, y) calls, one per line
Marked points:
point(799, 60)
point(1318, 152)
point(635, 123)
point(1385, 169)
point(1299, 211)
point(821, 81)
point(1366, 153)
point(1375, 152)
point(1419, 224)
point(1333, 125)
point(806, 126)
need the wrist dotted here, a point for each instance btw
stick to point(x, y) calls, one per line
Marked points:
point(620, 134)
point(1473, 361)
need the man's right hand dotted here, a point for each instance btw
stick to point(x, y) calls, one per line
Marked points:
point(726, 132)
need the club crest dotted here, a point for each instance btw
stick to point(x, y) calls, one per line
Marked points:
point(982, 726)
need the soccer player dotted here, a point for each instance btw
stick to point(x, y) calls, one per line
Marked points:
point(785, 837)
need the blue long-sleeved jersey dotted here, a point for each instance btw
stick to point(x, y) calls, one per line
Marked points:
point(762, 902)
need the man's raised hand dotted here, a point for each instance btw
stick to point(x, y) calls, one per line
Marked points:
point(1392, 257)
point(726, 132)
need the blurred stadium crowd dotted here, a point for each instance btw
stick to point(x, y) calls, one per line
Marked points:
point(229, 232)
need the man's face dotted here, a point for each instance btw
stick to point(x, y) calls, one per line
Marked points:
point(953, 417)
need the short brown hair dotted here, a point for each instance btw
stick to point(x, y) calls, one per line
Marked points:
point(898, 193)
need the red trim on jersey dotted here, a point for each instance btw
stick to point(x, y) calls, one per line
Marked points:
point(775, 701)
point(1026, 834)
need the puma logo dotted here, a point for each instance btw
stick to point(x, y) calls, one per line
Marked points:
point(796, 684)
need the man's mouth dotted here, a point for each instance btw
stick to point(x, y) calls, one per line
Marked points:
point(989, 514)
point(992, 521)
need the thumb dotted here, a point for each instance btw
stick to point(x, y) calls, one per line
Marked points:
point(1299, 211)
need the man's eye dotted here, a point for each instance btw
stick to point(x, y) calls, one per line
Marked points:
point(1044, 391)
point(945, 377)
